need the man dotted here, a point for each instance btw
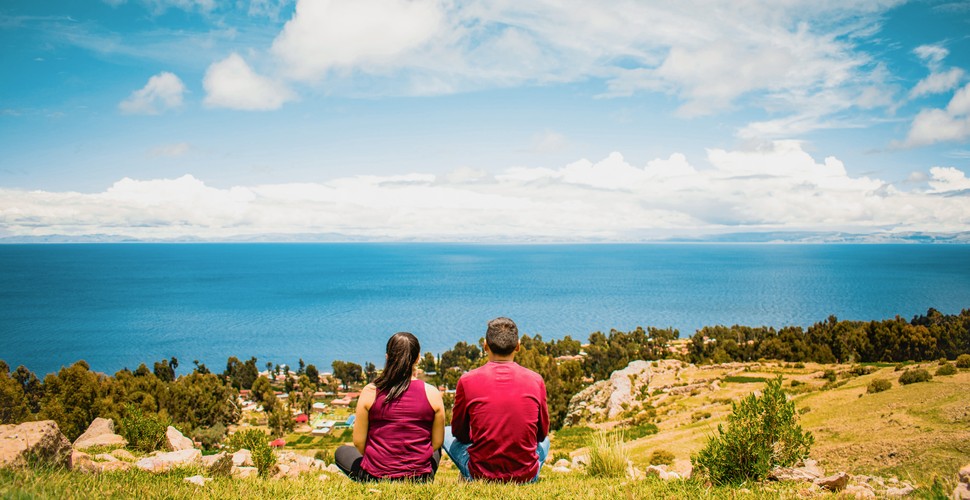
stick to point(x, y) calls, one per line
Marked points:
point(500, 421)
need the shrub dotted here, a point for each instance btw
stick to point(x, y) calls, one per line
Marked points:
point(607, 455)
point(860, 370)
point(963, 361)
point(947, 369)
point(210, 437)
point(700, 415)
point(899, 367)
point(879, 385)
point(222, 467)
point(144, 431)
point(799, 365)
point(829, 375)
point(560, 455)
point(796, 383)
point(661, 457)
point(326, 456)
point(942, 361)
point(257, 443)
point(761, 433)
point(914, 376)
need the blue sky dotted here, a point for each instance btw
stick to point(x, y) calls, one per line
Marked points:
point(499, 120)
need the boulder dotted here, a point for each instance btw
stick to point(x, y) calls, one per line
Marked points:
point(836, 482)
point(175, 441)
point(165, 461)
point(244, 472)
point(807, 471)
point(34, 443)
point(961, 492)
point(334, 469)
point(657, 470)
point(105, 457)
point(210, 460)
point(101, 432)
point(859, 491)
point(242, 458)
point(965, 474)
point(562, 462)
point(197, 479)
point(893, 491)
point(580, 461)
point(123, 454)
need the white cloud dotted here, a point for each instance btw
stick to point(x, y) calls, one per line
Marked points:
point(941, 125)
point(776, 187)
point(932, 55)
point(163, 91)
point(549, 142)
point(231, 83)
point(324, 34)
point(939, 79)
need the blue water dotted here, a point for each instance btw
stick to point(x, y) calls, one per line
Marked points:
point(122, 304)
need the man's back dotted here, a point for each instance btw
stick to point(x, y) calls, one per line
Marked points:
point(501, 409)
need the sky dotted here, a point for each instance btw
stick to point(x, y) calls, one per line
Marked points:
point(524, 120)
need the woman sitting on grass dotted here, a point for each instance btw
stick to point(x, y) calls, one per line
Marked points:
point(400, 422)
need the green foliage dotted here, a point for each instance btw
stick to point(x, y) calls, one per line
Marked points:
point(741, 379)
point(13, 401)
point(240, 374)
point(829, 375)
point(879, 385)
point(210, 437)
point(222, 467)
point(963, 361)
point(700, 415)
point(914, 376)
point(348, 373)
point(607, 455)
point(946, 369)
point(71, 398)
point(325, 455)
point(201, 400)
point(661, 457)
point(257, 443)
point(761, 433)
point(144, 431)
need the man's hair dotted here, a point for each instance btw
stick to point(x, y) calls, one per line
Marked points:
point(502, 336)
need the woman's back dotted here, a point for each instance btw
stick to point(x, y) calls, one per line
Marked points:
point(399, 434)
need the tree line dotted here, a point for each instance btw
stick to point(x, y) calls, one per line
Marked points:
point(203, 403)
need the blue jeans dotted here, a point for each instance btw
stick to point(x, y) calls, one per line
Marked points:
point(458, 452)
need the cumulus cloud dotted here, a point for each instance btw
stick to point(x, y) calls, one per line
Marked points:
point(162, 92)
point(231, 83)
point(776, 187)
point(939, 80)
point(941, 125)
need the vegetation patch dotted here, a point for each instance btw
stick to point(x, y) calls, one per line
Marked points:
point(607, 455)
point(741, 379)
point(946, 369)
point(914, 376)
point(879, 385)
point(963, 361)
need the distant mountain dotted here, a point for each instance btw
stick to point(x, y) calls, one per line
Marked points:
point(740, 237)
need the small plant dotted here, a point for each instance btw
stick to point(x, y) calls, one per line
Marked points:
point(560, 455)
point(860, 370)
point(799, 365)
point(796, 383)
point(144, 431)
point(914, 376)
point(761, 433)
point(947, 369)
point(942, 361)
point(607, 455)
point(222, 467)
point(899, 367)
point(700, 415)
point(257, 443)
point(963, 361)
point(829, 375)
point(326, 456)
point(879, 385)
point(661, 457)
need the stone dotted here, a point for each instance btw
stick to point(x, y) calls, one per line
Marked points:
point(561, 470)
point(210, 460)
point(334, 469)
point(175, 441)
point(197, 480)
point(657, 470)
point(835, 482)
point(34, 443)
point(965, 474)
point(82, 462)
point(242, 458)
point(105, 457)
point(580, 461)
point(683, 467)
point(634, 473)
point(101, 432)
point(123, 454)
point(165, 461)
point(671, 476)
point(961, 492)
point(562, 462)
point(858, 491)
point(244, 472)
point(893, 491)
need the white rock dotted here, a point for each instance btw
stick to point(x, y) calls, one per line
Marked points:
point(198, 480)
point(244, 472)
point(166, 461)
point(561, 470)
point(175, 441)
point(242, 458)
point(101, 432)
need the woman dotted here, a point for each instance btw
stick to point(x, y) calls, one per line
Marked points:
point(400, 422)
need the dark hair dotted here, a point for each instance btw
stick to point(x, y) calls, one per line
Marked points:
point(403, 349)
point(502, 336)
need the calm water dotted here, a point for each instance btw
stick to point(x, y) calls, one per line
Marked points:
point(120, 305)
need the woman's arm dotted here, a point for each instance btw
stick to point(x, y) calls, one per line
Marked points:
point(366, 400)
point(438, 426)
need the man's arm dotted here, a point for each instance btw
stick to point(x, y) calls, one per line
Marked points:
point(459, 416)
point(542, 429)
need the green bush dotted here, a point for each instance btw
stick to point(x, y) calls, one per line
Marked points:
point(661, 457)
point(210, 437)
point(914, 376)
point(222, 467)
point(607, 455)
point(879, 385)
point(257, 442)
point(947, 369)
point(761, 433)
point(559, 455)
point(963, 361)
point(144, 431)
point(326, 456)
point(829, 375)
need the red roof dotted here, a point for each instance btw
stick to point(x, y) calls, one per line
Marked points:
point(301, 418)
point(278, 443)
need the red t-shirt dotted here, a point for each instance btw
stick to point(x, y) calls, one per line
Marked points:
point(501, 409)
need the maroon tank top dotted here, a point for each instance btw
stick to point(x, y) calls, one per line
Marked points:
point(399, 434)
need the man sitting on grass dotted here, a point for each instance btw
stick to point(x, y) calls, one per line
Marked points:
point(500, 421)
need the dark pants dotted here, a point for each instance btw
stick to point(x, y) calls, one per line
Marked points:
point(348, 459)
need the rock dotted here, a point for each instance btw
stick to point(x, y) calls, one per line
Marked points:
point(101, 432)
point(123, 454)
point(965, 474)
point(836, 482)
point(197, 480)
point(607, 398)
point(561, 470)
point(115, 466)
point(244, 472)
point(671, 476)
point(633, 472)
point(683, 467)
point(34, 443)
point(334, 469)
point(319, 464)
point(562, 462)
point(242, 458)
point(893, 491)
point(210, 460)
point(859, 491)
point(82, 462)
point(166, 461)
point(809, 471)
point(961, 492)
point(580, 461)
point(657, 470)
point(175, 441)
point(105, 457)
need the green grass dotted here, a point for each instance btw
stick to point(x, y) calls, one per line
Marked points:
point(741, 379)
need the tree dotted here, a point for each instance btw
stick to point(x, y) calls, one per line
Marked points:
point(313, 374)
point(348, 373)
point(201, 401)
point(200, 367)
point(71, 398)
point(13, 401)
point(32, 386)
point(428, 363)
point(262, 390)
point(164, 371)
point(301, 369)
point(241, 375)
point(370, 372)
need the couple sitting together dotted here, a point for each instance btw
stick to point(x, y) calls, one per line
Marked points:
point(499, 426)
